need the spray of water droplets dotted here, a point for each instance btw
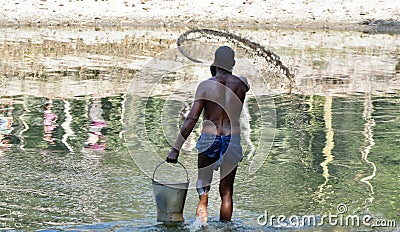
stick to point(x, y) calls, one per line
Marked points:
point(245, 46)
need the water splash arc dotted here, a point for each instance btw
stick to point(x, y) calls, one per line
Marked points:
point(249, 46)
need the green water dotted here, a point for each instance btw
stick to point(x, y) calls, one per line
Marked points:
point(76, 173)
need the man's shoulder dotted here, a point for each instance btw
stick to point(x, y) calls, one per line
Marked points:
point(203, 86)
point(237, 80)
point(206, 82)
point(245, 82)
point(242, 81)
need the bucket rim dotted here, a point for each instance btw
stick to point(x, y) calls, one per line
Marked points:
point(182, 185)
point(162, 162)
point(161, 183)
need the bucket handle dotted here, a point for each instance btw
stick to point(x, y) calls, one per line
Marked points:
point(187, 174)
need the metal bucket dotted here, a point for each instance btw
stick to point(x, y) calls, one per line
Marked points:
point(170, 198)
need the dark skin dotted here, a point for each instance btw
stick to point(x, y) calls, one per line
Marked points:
point(221, 98)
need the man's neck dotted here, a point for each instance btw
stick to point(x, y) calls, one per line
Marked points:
point(221, 72)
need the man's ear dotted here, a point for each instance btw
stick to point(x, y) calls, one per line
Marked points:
point(213, 70)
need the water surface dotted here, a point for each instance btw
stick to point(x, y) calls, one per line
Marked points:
point(65, 164)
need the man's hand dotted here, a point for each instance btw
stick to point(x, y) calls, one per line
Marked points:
point(173, 156)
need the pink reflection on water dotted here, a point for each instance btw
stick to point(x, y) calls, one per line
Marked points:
point(6, 121)
point(96, 140)
point(49, 122)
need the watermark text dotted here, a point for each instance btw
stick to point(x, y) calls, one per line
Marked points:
point(340, 218)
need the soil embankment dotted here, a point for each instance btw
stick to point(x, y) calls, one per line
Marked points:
point(362, 15)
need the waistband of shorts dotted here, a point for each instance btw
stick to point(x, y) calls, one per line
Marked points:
point(205, 136)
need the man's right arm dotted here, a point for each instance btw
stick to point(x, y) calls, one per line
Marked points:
point(187, 125)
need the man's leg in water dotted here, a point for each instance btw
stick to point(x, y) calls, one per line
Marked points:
point(226, 193)
point(205, 174)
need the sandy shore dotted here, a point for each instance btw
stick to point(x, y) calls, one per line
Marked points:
point(364, 15)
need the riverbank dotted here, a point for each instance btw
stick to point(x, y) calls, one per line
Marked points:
point(373, 16)
point(103, 61)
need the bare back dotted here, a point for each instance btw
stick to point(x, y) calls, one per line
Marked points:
point(223, 97)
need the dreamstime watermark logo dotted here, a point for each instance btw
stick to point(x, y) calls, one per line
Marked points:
point(340, 218)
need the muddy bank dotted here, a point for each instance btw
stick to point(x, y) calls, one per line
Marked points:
point(104, 61)
point(375, 16)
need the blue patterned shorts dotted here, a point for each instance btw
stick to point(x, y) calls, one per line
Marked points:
point(224, 148)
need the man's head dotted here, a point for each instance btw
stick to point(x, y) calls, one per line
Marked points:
point(224, 58)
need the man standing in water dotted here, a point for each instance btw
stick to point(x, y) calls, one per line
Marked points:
point(221, 97)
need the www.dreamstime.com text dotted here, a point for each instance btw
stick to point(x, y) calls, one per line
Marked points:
point(338, 219)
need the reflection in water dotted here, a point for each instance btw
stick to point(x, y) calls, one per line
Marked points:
point(49, 122)
point(96, 140)
point(6, 121)
point(22, 121)
point(75, 183)
point(66, 125)
point(327, 151)
point(368, 144)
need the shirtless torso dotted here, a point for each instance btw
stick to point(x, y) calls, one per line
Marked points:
point(223, 97)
